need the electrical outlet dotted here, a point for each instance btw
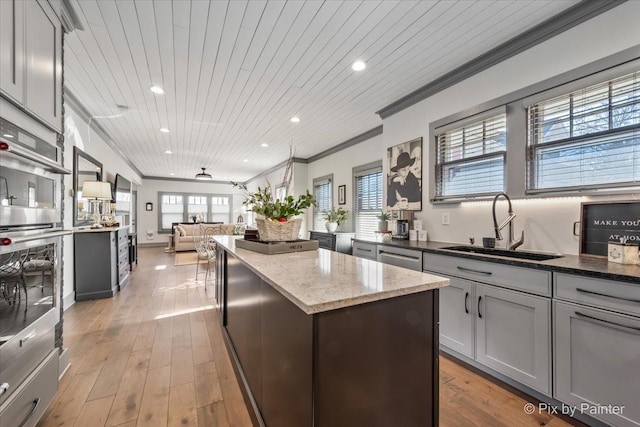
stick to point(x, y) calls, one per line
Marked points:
point(445, 218)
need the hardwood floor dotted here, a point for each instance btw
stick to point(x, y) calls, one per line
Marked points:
point(153, 355)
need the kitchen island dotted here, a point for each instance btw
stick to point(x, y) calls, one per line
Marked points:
point(321, 338)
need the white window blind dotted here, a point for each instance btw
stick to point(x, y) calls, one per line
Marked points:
point(197, 206)
point(171, 210)
point(322, 191)
point(470, 160)
point(368, 201)
point(220, 209)
point(589, 138)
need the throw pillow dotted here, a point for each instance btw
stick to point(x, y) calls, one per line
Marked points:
point(181, 231)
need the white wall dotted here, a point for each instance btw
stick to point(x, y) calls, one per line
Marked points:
point(77, 133)
point(341, 165)
point(548, 225)
point(147, 225)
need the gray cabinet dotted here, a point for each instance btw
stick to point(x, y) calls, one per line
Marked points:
point(43, 63)
point(12, 49)
point(457, 316)
point(123, 258)
point(338, 241)
point(513, 335)
point(364, 250)
point(503, 329)
point(96, 264)
point(407, 258)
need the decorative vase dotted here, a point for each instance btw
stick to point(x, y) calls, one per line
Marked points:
point(382, 226)
point(331, 226)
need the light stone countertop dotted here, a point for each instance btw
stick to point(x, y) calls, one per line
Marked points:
point(99, 230)
point(322, 280)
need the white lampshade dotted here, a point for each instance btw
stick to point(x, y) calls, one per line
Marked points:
point(96, 190)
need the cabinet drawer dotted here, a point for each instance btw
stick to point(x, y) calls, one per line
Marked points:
point(28, 403)
point(27, 349)
point(519, 278)
point(324, 241)
point(407, 258)
point(618, 296)
point(364, 250)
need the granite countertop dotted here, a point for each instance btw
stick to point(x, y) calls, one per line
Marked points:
point(322, 280)
point(572, 264)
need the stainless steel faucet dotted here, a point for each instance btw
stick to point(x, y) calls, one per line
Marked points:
point(510, 244)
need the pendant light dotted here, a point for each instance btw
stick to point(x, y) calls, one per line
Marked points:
point(203, 175)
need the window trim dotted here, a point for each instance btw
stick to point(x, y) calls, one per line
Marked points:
point(185, 203)
point(610, 67)
point(316, 181)
point(357, 171)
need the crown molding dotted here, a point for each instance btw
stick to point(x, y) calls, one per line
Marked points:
point(553, 26)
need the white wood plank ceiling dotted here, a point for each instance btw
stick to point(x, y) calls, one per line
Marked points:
point(235, 72)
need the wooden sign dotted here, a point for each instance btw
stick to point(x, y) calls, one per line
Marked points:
point(602, 222)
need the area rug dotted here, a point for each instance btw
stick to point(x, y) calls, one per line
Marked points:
point(187, 258)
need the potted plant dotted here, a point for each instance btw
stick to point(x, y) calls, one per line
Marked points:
point(334, 217)
point(383, 217)
point(277, 223)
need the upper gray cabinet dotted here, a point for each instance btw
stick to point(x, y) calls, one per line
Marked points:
point(43, 55)
point(31, 59)
point(12, 49)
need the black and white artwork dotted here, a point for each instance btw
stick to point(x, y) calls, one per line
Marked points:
point(404, 176)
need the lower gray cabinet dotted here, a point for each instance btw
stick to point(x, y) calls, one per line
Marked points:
point(407, 258)
point(513, 335)
point(365, 250)
point(457, 316)
point(597, 361)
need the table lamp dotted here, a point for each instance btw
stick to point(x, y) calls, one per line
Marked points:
point(96, 191)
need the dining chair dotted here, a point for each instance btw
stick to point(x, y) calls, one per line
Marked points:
point(12, 278)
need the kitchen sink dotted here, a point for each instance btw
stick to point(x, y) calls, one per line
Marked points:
point(533, 256)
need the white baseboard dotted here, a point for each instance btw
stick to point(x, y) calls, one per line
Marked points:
point(150, 245)
point(69, 300)
point(63, 363)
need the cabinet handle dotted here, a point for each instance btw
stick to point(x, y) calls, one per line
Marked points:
point(479, 300)
point(584, 291)
point(27, 337)
point(3, 388)
point(609, 322)
point(469, 270)
point(391, 254)
point(36, 402)
point(466, 297)
point(363, 250)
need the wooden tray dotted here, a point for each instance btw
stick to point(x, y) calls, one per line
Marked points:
point(272, 248)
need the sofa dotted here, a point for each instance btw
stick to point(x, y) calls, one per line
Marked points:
point(183, 234)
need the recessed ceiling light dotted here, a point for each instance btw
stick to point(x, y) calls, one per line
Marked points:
point(265, 145)
point(295, 119)
point(157, 89)
point(168, 152)
point(8, 135)
point(359, 65)
point(172, 174)
point(164, 130)
point(245, 160)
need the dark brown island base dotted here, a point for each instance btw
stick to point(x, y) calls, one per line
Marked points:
point(320, 338)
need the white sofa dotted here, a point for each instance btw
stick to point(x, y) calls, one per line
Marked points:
point(183, 234)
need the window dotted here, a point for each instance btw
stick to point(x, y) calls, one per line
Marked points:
point(323, 192)
point(367, 199)
point(220, 209)
point(470, 159)
point(588, 138)
point(171, 210)
point(182, 207)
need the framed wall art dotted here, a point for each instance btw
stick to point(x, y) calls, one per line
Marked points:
point(404, 176)
point(604, 222)
point(342, 194)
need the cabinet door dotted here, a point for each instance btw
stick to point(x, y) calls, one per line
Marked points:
point(43, 63)
point(12, 48)
point(597, 361)
point(457, 316)
point(513, 335)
